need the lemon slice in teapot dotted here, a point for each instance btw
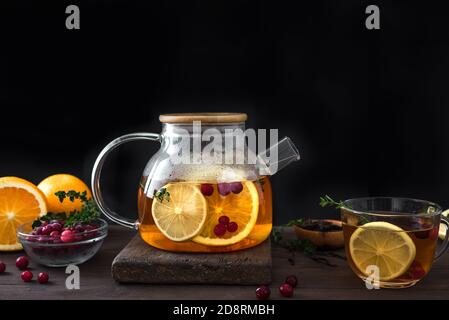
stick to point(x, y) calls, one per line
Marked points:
point(179, 211)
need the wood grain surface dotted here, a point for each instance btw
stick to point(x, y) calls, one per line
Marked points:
point(316, 281)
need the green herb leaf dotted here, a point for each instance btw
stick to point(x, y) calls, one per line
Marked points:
point(327, 201)
point(162, 194)
point(296, 222)
point(72, 195)
point(36, 223)
point(88, 212)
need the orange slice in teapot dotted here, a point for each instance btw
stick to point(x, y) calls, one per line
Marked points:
point(179, 211)
point(241, 208)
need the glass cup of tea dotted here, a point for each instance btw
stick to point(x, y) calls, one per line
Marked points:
point(392, 242)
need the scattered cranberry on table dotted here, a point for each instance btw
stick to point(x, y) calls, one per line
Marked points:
point(207, 189)
point(22, 262)
point(43, 277)
point(286, 290)
point(263, 292)
point(27, 276)
point(2, 267)
point(292, 281)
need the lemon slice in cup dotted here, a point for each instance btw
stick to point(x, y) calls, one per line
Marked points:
point(181, 212)
point(382, 244)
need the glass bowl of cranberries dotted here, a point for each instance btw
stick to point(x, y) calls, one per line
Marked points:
point(56, 244)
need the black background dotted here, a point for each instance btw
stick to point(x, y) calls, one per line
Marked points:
point(368, 109)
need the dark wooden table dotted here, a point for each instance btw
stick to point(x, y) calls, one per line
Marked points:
point(316, 281)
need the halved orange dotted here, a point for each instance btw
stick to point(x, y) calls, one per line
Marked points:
point(20, 202)
point(241, 208)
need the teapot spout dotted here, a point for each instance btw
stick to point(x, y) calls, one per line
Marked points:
point(277, 157)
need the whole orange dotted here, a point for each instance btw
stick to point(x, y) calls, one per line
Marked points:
point(63, 182)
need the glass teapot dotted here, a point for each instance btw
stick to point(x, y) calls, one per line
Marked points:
point(205, 190)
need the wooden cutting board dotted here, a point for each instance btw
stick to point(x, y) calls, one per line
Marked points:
point(138, 262)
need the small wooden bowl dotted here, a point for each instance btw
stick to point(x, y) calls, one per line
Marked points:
point(323, 240)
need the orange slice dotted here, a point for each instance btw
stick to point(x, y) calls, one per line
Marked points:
point(20, 202)
point(241, 208)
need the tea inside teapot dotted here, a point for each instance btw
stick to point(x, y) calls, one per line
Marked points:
point(202, 206)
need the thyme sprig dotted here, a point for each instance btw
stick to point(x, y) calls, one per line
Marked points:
point(327, 201)
point(162, 194)
point(88, 212)
point(302, 245)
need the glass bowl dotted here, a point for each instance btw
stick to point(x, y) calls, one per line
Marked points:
point(53, 252)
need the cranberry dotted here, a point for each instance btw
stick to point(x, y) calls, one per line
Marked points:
point(292, 281)
point(286, 290)
point(224, 188)
point(39, 230)
point(433, 234)
point(236, 187)
point(263, 292)
point(43, 277)
point(223, 220)
point(207, 189)
point(90, 227)
point(232, 227)
point(78, 238)
point(79, 228)
point(220, 230)
point(416, 271)
point(22, 262)
point(44, 223)
point(46, 230)
point(2, 267)
point(67, 236)
point(31, 239)
point(27, 276)
point(55, 234)
point(43, 239)
point(56, 226)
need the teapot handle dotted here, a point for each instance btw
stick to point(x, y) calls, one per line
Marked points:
point(96, 172)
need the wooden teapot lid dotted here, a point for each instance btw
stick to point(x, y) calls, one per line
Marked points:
point(206, 117)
